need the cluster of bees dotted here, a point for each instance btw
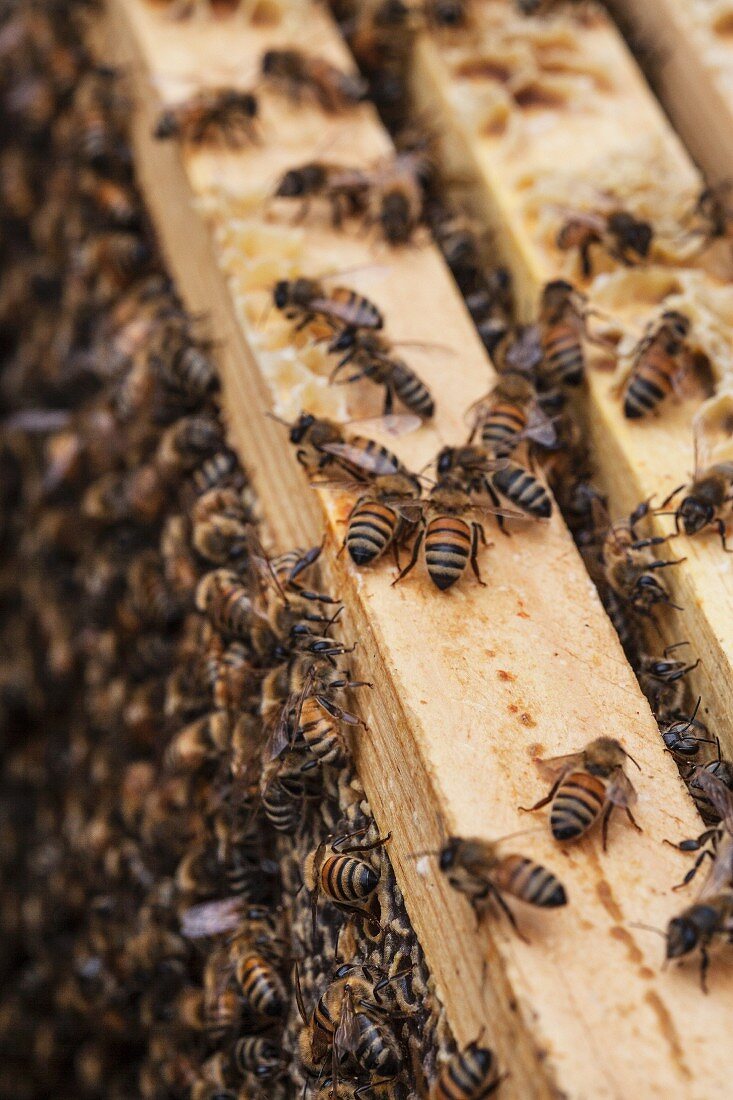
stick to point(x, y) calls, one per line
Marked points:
point(198, 902)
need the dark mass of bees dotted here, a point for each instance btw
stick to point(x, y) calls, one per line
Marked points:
point(198, 901)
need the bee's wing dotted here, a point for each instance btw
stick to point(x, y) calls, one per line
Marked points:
point(540, 428)
point(712, 433)
point(720, 796)
point(525, 353)
point(552, 767)
point(620, 790)
point(373, 462)
point(583, 217)
point(346, 1037)
point(721, 872)
point(212, 917)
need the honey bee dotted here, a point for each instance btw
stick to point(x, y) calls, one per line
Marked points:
point(321, 444)
point(659, 361)
point(450, 540)
point(263, 990)
point(562, 331)
point(712, 213)
point(344, 189)
point(586, 787)
point(708, 501)
point(222, 527)
point(347, 1019)
point(629, 567)
point(187, 443)
point(710, 918)
point(222, 1001)
point(307, 299)
point(120, 255)
point(679, 740)
point(219, 471)
point(469, 1074)
point(226, 601)
point(287, 567)
point(482, 474)
point(509, 414)
point(625, 238)
point(214, 114)
point(373, 357)
point(299, 74)
point(380, 518)
point(662, 681)
point(477, 869)
point(198, 742)
point(286, 785)
point(698, 786)
point(397, 197)
point(335, 871)
point(182, 362)
point(138, 496)
point(259, 1056)
point(115, 203)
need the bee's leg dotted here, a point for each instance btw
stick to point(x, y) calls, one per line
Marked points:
point(543, 801)
point(586, 264)
point(476, 528)
point(664, 564)
point(656, 540)
point(720, 528)
point(388, 401)
point(307, 318)
point(413, 559)
point(496, 895)
point(497, 504)
point(673, 494)
point(694, 869)
point(303, 212)
point(378, 843)
point(633, 820)
point(604, 824)
point(337, 214)
point(704, 964)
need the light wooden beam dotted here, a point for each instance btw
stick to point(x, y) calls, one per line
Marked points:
point(689, 47)
point(471, 685)
point(525, 164)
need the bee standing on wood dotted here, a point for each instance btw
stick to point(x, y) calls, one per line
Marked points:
point(624, 237)
point(215, 114)
point(373, 357)
point(586, 788)
point(629, 567)
point(509, 414)
point(382, 517)
point(562, 325)
point(482, 474)
point(478, 869)
point(450, 540)
point(661, 680)
point(709, 920)
point(659, 362)
point(300, 75)
point(397, 198)
point(708, 501)
point(307, 299)
point(344, 189)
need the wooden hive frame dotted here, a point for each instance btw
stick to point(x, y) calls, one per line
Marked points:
point(470, 687)
point(691, 62)
point(509, 159)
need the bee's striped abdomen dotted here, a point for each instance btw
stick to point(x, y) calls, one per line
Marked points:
point(471, 1074)
point(447, 549)
point(530, 882)
point(262, 986)
point(564, 361)
point(577, 803)
point(376, 1050)
point(372, 528)
point(322, 734)
point(650, 382)
point(359, 311)
point(346, 879)
point(412, 391)
point(501, 430)
point(523, 489)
